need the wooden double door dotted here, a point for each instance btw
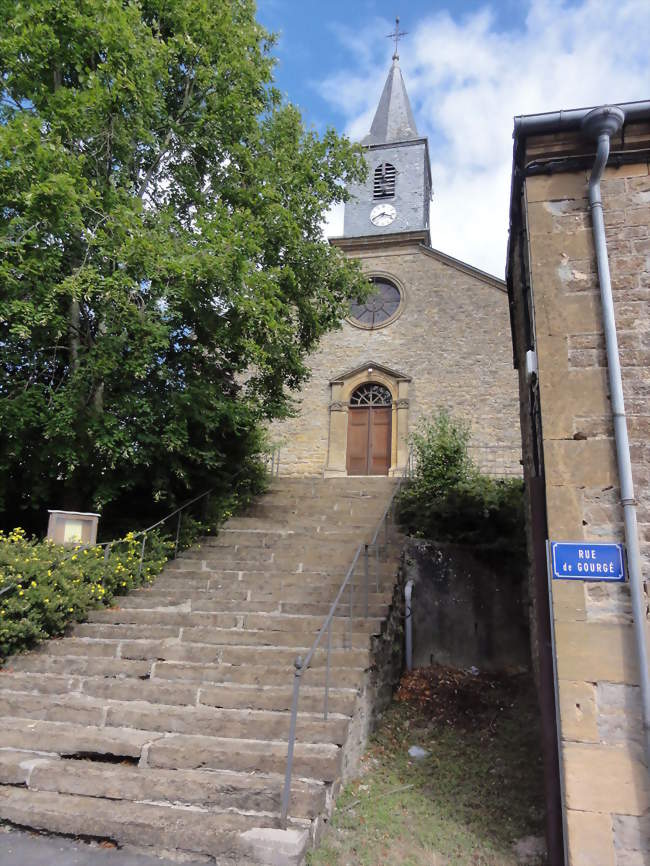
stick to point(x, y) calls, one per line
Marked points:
point(369, 440)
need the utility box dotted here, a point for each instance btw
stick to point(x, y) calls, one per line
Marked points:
point(72, 527)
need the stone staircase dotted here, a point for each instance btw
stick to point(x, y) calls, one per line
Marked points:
point(162, 723)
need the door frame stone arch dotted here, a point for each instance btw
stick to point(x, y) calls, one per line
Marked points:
point(342, 388)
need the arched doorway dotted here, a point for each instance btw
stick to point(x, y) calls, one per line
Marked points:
point(369, 430)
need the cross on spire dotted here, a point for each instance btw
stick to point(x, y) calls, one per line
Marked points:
point(397, 35)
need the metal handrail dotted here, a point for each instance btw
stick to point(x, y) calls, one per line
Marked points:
point(301, 666)
point(274, 460)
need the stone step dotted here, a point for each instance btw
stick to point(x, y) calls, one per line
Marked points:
point(292, 620)
point(262, 600)
point(162, 710)
point(264, 585)
point(224, 558)
point(319, 563)
point(360, 500)
point(203, 601)
point(195, 574)
point(252, 674)
point(198, 651)
point(210, 789)
point(298, 639)
point(184, 585)
point(344, 634)
point(234, 723)
point(272, 504)
point(226, 835)
point(244, 655)
point(274, 538)
point(345, 483)
point(133, 616)
point(74, 665)
point(301, 524)
point(320, 761)
point(204, 677)
point(279, 698)
point(259, 537)
point(65, 738)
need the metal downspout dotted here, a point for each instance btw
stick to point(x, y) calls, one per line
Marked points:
point(600, 124)
point(408, 630)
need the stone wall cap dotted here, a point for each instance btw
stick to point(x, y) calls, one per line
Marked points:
point(73, 513)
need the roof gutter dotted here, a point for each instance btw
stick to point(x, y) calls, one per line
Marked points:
point(559, 121)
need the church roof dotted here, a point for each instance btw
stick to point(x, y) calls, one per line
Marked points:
point(393, 119)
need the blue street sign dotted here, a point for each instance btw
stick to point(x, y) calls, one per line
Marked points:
point(584, 560)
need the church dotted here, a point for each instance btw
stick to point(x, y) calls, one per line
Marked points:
point(434, 332)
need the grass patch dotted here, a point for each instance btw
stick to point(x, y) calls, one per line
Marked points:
point(477, 793)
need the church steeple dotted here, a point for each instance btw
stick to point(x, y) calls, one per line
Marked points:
point(395, 197)
point(393, 119)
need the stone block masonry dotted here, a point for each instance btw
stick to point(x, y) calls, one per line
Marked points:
point(451, 339)
point(568, 440)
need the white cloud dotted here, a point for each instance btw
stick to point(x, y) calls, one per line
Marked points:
point(467, 80)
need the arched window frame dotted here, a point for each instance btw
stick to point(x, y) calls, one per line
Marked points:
point(371, 394)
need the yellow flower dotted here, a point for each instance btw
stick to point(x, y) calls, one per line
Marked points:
point(70, 609)
point(33, 583)
point(73, 557)
point(46, 600)
point(21, 592)
point(49, 573)
point(85, 553)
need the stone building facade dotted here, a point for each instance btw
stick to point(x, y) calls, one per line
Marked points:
point(440, 340)
point(586, 638)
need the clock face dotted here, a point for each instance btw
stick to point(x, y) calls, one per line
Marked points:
point(382, 215)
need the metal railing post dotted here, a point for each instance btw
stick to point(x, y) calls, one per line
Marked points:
point(178, 533)
point(350, 611)
point(327, 668)
point(144, 541)
point(386, 536)
point(365, 581)
point(377, 564)
point(286, 792)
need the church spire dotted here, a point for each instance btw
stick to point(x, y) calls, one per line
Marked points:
point(393, 119)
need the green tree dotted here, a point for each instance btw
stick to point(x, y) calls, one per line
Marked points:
point(163, 270)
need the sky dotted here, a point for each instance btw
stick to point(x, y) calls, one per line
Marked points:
point(469, 68)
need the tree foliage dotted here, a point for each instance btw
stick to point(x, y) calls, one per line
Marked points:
point(163, 270)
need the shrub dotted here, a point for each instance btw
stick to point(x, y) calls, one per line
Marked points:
point(47, 586)
point(44, 587)
point(449, 500)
